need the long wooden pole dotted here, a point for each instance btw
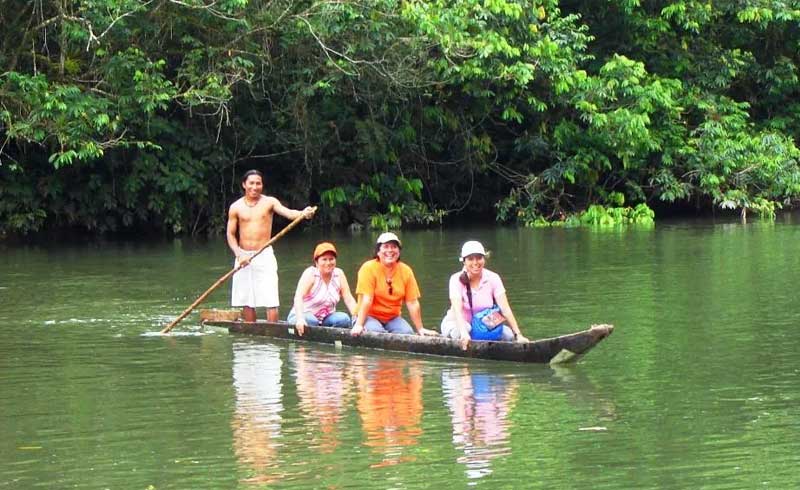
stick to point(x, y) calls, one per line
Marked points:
point(232, 272)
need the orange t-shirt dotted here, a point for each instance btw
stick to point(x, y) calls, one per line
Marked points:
point(372, 280)
point(390, 403)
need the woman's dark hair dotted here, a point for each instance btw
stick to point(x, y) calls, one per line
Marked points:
point(464, 279)
point(252, 172)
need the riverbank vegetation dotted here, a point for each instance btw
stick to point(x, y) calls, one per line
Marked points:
point(123, 115)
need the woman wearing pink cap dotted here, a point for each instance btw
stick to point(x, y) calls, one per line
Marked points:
point(473, 290)
point(318, 292)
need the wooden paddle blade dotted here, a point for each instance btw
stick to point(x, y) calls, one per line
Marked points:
point(215, 315)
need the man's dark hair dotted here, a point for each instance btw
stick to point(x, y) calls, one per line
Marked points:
point(252, 172)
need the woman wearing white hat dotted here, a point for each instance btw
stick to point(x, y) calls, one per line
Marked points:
point(384, 284)
point(477, 293)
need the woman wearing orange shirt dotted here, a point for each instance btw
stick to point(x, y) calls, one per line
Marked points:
point(384, 284)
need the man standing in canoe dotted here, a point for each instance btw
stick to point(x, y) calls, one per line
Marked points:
point(255, 285)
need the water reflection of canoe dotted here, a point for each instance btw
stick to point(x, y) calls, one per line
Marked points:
point(565, 348)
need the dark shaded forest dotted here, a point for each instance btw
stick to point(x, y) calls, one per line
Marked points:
point(126, 115)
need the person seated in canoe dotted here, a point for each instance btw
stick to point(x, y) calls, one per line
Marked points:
point(384, 284)
point(318, 292)
point(479, 309)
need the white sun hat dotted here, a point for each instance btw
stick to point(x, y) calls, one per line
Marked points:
point(388, 237)
point(472, 247)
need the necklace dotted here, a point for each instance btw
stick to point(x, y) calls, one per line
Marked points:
point(247, 203)
point(388, 278)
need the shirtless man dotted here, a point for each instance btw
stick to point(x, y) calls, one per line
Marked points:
point(249, 229)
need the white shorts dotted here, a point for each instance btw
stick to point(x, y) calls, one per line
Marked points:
point(257, 284)
point(449, 326)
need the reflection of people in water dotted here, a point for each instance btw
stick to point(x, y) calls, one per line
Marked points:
point(479, 404)
point(257, 419)
point(323, 388)
point(390, 404)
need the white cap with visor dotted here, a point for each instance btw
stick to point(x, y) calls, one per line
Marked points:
point(472, 247)
point(388, 237)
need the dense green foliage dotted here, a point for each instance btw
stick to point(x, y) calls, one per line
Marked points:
point(142, 114)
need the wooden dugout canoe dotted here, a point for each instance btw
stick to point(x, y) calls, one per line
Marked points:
point(562, 349)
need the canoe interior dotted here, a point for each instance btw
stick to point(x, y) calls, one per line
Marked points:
point(562, 349)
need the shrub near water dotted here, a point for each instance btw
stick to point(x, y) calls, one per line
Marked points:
point(611, 215)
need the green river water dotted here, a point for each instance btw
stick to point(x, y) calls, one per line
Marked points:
point(698, 387)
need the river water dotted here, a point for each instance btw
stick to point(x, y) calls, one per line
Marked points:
point(699, 387)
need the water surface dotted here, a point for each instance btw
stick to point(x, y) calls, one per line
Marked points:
point(698, 387)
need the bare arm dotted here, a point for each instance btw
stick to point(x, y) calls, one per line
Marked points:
point(415, 313)
point(505, 308)
point(347, 296)
point(366, 302)
point(457, 307)
point(303, 286)
point(231, 234)
point(291, 214)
